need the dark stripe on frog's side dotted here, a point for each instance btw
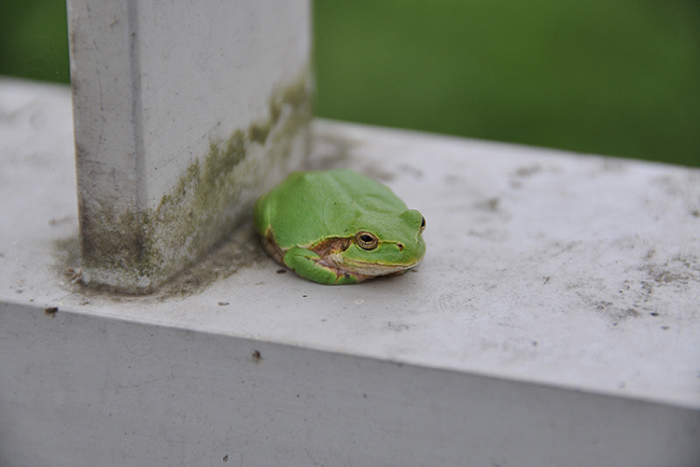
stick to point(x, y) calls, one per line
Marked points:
point(331, 245)
point(322, 249)
point(271, 247)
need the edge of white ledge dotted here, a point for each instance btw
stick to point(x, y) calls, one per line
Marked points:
point(572, 271)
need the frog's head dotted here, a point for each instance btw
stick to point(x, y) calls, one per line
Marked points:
point(384, 244)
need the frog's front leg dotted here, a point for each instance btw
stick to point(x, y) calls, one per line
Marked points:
point(307, 264)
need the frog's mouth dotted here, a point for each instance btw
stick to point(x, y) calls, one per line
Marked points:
point(343, 265)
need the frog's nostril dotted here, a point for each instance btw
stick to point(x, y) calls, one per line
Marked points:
point(400, 245)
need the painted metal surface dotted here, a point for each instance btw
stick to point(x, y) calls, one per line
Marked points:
point(80, 391)
point(554, 320)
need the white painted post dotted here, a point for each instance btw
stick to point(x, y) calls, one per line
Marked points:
point(184, 112)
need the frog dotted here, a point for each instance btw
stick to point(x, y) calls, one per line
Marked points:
point(339, 227)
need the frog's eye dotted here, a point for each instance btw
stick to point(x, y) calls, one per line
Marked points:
point(422, 225)
point(366, 240)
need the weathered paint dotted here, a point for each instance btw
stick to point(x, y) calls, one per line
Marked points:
point(183, 113)
point(137, 251)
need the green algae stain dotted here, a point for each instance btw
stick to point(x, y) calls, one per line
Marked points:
point(137, 252)
point(127, 243)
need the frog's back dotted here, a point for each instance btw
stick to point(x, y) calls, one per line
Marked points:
point(309, 206)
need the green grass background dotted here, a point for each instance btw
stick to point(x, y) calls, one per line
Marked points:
point(615, 77)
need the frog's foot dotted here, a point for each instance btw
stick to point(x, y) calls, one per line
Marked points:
point(310, 265)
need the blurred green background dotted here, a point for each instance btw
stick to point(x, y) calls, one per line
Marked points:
point(614, 77)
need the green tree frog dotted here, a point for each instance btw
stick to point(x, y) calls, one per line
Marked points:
point(339, 227)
